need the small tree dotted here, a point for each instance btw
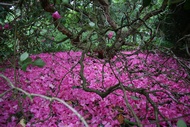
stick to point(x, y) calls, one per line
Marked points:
point(119, 36)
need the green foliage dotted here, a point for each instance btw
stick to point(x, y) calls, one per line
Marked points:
point(174, 25)
point(129, 123)
point(181, 123)
point(36, 32)
point(146, 3)
point(24, 56)
point(38, 62)
point(135, 98)
point(25, 61)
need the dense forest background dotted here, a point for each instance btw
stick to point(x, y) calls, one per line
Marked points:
point(168, 25)
point(122, 63)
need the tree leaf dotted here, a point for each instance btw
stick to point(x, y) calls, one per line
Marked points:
point(43, 31)
point(181, 123)
point(120, 118)
point(24, 96)
point(58, 1)
point(128, 122)
point(24, 66)
point(66, 1)
point(24, 56)
point(146, 3)
point(92, 24)
point(134, 98)
point(28, 60)
point(38, 62)
point(22, 123)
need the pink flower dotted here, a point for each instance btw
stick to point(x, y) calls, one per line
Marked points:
point(6, 26)
point(110, 35)
point(56, 15)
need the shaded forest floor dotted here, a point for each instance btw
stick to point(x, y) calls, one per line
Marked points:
point(159, 75)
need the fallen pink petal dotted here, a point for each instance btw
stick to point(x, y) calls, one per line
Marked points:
point(94, 63)
point(99, 111)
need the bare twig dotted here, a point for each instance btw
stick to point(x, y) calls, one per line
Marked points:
point(130, 107)
point(6, 4)
point(30, 95)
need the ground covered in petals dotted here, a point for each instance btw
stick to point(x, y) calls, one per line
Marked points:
point(158, 82)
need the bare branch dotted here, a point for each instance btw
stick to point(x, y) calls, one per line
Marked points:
point(30, 95)
point(6, 4)
point(50, 8)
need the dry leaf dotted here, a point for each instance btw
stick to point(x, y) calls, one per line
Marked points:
point(69, 102)
point(21, 123)
point(120, 118)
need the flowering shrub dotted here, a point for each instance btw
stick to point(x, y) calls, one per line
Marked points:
point(159, 79)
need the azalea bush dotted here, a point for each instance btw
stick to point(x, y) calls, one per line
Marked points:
point(83, 24)
point(114, 76)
